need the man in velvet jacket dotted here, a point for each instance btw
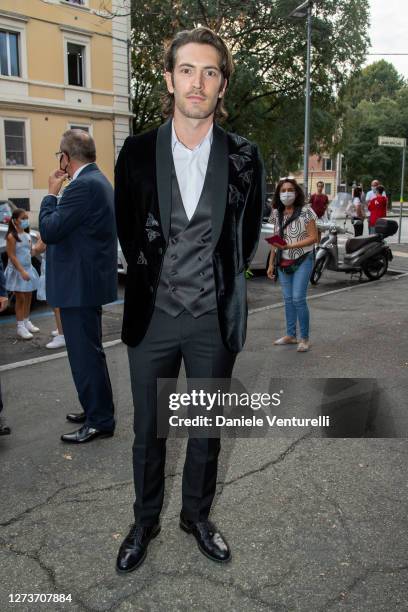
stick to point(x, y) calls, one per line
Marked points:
point(189, 199)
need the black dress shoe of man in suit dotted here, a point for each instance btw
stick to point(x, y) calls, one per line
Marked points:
point(209, 540)
point(85, 434)
point(76, 417)
point(133, 549)
point(4, 429)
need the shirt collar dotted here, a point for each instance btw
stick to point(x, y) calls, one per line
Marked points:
point(76, 173)
point(208, 138)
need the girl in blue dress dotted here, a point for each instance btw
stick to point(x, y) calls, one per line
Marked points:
point(21, 276)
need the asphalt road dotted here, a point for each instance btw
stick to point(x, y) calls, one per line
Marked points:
point(314, 524)
point(261, 293)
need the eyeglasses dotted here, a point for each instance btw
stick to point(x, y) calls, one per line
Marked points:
point(59, 153)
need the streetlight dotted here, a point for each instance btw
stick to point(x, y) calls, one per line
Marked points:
point(300, 12)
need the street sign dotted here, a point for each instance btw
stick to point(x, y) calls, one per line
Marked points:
point(390, 141)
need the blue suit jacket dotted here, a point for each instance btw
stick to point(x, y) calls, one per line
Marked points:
point(3, 292)
point(80, 234)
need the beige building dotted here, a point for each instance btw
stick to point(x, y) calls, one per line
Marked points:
point(321, 168)
point(63, 64)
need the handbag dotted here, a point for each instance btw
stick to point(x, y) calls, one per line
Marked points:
point(285, 264)
point(289, 266)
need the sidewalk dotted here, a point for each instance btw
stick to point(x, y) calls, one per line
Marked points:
point(314, 524)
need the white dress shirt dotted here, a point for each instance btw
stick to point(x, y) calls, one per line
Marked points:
point(79, 170)
point(191, 168)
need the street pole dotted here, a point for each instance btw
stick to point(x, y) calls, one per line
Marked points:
point(306, 149)
point(402, 192)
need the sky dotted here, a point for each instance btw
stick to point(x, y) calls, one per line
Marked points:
point(389, 32)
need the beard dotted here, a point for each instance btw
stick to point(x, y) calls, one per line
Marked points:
point(191, 111)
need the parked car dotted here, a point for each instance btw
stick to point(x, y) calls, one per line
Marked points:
point(122, 264)
point(6, 210)
point(261, 258)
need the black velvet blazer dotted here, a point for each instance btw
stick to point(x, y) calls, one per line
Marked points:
point(143, 209)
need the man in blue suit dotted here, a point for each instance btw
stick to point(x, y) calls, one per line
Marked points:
point(80, 232)
point(4, 429)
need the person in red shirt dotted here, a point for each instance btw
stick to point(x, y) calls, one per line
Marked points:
point(377, 207)
point(319, 201)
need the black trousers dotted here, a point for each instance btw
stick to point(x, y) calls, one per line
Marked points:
point(169, 340)
point(83, 336)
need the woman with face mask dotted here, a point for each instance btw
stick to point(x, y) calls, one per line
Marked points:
point(291, 258)
point(21, 276)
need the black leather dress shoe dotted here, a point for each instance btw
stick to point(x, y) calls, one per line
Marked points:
point(209, 540)
point(85, 434)
point(76, 417)
point(4, 429)
point(133, 549)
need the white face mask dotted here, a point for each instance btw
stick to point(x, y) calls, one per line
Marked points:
point(287, 197)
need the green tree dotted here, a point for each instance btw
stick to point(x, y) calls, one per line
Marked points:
point(265, 99)
point(378, 80)
point(378, 106)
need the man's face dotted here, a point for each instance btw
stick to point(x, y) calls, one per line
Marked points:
point(196, 81)
point(374, 185)
point(319, 188)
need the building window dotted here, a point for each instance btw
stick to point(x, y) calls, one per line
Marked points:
point(84, 128)
point(15, 143)
point(327, 188)
point(76, 64)
point(9, 55)
point(327, 163)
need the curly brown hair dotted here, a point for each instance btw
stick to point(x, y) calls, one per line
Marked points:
point(300, 196)
point(203, 36)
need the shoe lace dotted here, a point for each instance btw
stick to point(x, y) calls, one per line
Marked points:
point(206, 527)
point(136, 532)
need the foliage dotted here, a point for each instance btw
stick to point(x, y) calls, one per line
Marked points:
point(376, 81)
point(265, 99)
point(378, 106)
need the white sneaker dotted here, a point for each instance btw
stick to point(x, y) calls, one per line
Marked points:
point(55, 333)
point(57, 342)
point(31, 328)
point(23, 333)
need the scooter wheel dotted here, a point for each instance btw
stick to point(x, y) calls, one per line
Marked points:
point(317, 270)
point(376, 268)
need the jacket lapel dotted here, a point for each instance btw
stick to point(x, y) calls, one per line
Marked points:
point(217, 181)
point(163, 174)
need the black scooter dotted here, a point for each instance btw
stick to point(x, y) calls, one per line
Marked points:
point(369, 255)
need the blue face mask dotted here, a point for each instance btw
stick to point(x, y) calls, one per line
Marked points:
point(24, 224)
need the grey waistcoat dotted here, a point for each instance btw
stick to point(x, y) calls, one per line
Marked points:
point(187, 278)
